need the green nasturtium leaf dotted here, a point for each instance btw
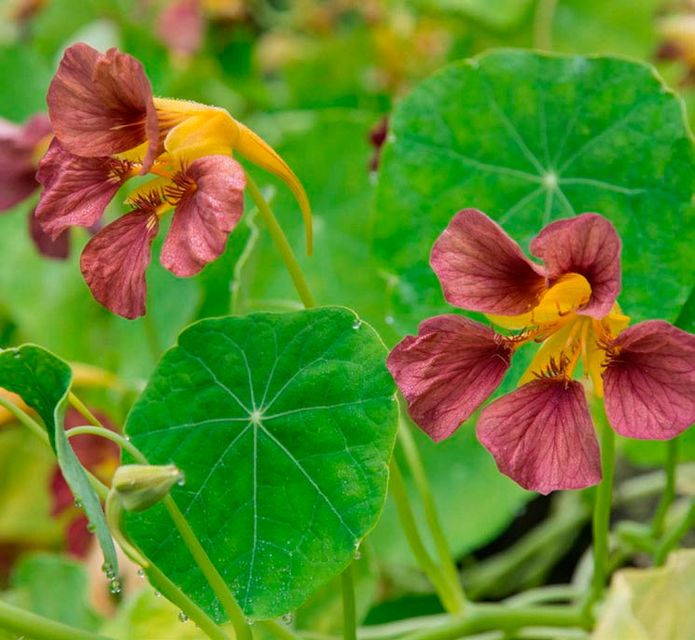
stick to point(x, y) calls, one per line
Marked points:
point(43, 382)
point(284, 426)
point(529, 138)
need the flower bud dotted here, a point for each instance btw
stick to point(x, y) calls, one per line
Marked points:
point(141, 486)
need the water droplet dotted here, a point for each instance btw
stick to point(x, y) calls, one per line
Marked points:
point(115, 586)
point(127, 438)
point(389, 320)
point(78, 503)
point(250, 621)
point(288, 618)
point(183, 617)
point(358, 553)
point(182, 479)
point(106, 568)
point(357, 324)
point(141, 573)
point(91, 527)
point(157, 594)
point(17, 355)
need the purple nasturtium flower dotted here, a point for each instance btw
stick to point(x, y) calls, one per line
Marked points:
point(108, 129)
point(541, 435)
point(21, 148)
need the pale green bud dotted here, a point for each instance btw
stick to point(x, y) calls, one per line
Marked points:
point(140, 486)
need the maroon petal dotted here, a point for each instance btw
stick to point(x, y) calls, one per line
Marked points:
point(541, 436)
point(114, 261)
point(58, 248)
point(649, 381)
point(448, 370)
point(209, 209)
point(587, 245)
point(76, 189)
point(482, 269)
point(18, 150)
point(101, 104)
point(180, 26)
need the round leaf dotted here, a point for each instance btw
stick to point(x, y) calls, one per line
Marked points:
point(529, 138)
point(284, 426)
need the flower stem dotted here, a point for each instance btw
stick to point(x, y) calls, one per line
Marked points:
point(673, 537)
point(405, 513)
point(212, 575)
point(498, 617)
point(30, 625)
point(417, 470)
point(281, 244)
point(347, 584)
point(83, 410)
point(602, 507)
point(543, 25)
point(669, 494)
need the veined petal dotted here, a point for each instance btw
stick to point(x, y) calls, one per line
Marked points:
point(482, 269)
point(101, 104)
point(57, 248)
point(114, 261)
point(588, 245)
point(541, 436)
point(18, 157)
point(206, 214)
point(256, 150)
point(76, 189)
point(448, 370)
point(649, 381)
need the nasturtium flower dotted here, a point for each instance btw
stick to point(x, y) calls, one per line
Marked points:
point(542, 435)
point(110, 128)
point(21, 148)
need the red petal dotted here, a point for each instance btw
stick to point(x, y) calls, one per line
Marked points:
point(58, 248)
point(114, 261)
point(587, 245)
point(101, 104)
point(482, 269)
point(649, 381)
point(76, 189)
point(541, 436)
point(205, 216)
point(447, 371)
point(17, 155)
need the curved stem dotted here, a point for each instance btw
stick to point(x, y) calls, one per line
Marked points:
point(281, 243)
point(405, 513)
point(165, 585)
point(212, 575)
point(26, 624)
point(347, 584)
point(673, 537)
point(543, 25)
point(417, 469)
point(107, 434)
point(25, 419)
point(602, 506)
point(83, 410)
point(496, 617)
point(669, 494)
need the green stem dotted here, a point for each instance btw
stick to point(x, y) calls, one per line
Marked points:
point(30, 625)
point(419, 475)
point(212, 575)
point(673, 537)
point(602, 507)
point(405, 513)
point(171, 592)
point(498, 617)
point(543, 25)
point(347, 584)
point(26, 420)
point(281, 244)
point(83, 410)
point(669, 494)
point(109, 435)
point(280, 631)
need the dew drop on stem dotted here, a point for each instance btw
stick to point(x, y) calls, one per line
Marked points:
point(183, 617)
point(288, 618)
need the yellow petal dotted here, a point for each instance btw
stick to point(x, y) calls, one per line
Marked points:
point(568, 294)
point(211, 132)
point(256, 150)
point(558, 344)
